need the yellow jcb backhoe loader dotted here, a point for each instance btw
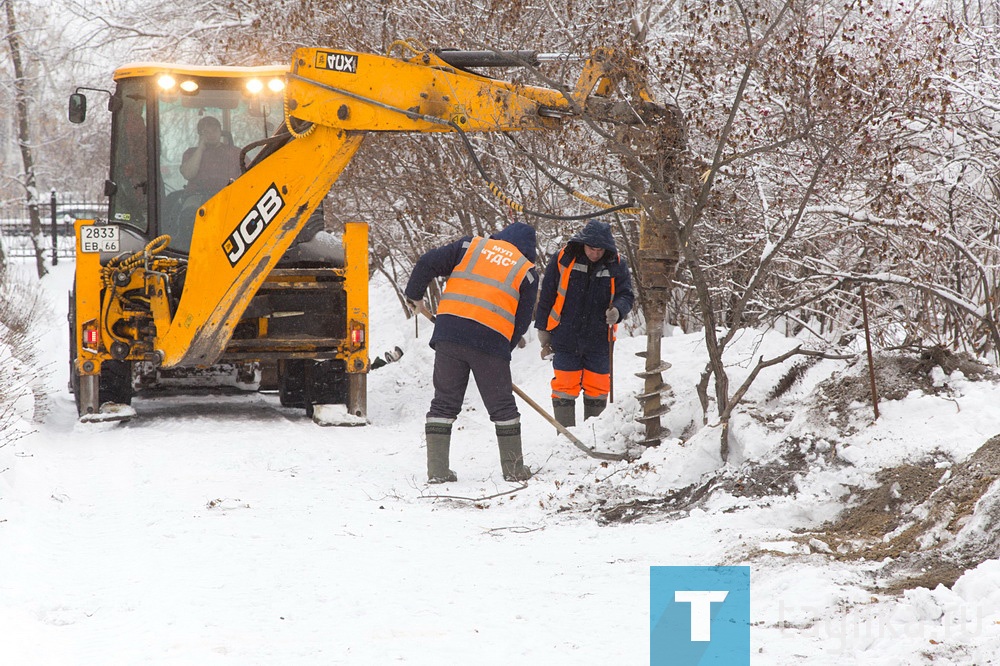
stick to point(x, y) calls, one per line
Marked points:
point(179, 280)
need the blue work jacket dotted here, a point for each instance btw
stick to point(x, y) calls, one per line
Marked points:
point(593, 287)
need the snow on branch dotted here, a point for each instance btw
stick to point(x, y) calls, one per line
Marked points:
point(939, 291)
point(867, 219)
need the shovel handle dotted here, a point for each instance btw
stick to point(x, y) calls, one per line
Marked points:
point(611, 364)
point(600, 455)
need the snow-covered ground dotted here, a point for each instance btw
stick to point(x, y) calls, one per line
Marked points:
point(229, 530)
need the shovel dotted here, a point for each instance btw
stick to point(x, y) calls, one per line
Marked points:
point(600, 455)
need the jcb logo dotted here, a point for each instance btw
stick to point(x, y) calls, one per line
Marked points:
point(338, 62)
point(249, 229)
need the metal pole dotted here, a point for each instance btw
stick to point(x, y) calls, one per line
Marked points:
point(55, 230)
point(611, 364)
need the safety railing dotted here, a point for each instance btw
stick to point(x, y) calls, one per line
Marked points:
point(57, 217)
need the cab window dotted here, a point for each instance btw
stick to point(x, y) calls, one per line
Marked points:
point(129, 157)
point(201, 135)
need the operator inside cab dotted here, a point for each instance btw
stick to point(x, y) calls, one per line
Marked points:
point(210, 165)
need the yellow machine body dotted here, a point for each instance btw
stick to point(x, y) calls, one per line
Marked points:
point(160, 287)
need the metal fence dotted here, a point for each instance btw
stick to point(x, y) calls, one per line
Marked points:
point(57, 218)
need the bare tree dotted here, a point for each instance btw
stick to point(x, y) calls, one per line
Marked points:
point(803, 150)
point(22, 95)
point(802, 118)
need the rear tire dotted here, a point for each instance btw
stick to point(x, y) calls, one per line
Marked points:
point(291, 376)
point(304, 383)
point(116, 382)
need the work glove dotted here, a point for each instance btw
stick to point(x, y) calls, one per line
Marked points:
point(413, 306)
point(611, 316)
point(545, 338)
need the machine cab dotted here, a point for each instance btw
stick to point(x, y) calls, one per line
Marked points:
point(181, 134)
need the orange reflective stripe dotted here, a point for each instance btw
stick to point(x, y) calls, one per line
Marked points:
point(566, 383)
point(485, 286)
point(613, 329)
point(596, 385)
point(555, 314)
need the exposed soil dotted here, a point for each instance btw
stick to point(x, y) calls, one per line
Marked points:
point(913, 519)
point(896, 375)
point(758, 481)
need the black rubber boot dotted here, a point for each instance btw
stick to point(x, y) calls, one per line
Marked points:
point(438, 449)
point(593, 406)
point(511, 460)
point(564, 411)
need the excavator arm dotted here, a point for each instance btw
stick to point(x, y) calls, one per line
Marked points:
point(333, 99)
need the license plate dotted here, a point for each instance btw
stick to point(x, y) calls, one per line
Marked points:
point(103, 238)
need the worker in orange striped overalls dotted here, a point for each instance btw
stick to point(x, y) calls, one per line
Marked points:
point(586, 291)
point(483, 313)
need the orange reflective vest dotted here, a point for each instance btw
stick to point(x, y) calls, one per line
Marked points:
point(555, 314)
point(485, 286)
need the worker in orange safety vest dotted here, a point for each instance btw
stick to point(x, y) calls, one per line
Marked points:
point(483, 313)
point(586, 291)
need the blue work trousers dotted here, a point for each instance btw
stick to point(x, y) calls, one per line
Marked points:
point(452, 365)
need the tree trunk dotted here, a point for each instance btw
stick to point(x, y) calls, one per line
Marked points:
point(658, 255)
point(24, 136)
point(657, 147)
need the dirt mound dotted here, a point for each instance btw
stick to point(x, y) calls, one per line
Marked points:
point(896, 375)
point(921, 518)
point(775, 478)
point(929, 521)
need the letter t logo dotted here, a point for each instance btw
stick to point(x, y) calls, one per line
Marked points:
point(699, 616)
point(701, 610)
